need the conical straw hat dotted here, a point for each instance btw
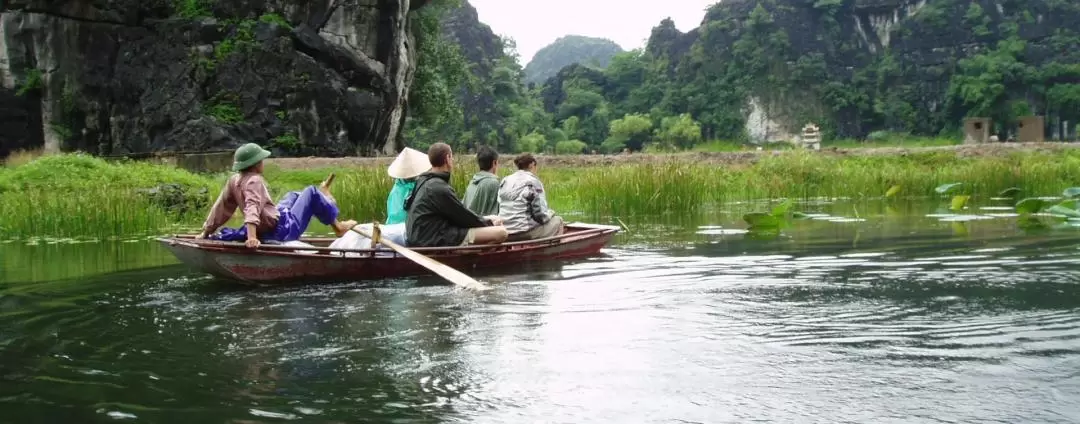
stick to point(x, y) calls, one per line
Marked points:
point(409, 163)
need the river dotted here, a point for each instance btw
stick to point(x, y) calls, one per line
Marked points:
point(907, 315)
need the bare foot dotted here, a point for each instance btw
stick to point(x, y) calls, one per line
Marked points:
point(324, 187)
point(342, 227)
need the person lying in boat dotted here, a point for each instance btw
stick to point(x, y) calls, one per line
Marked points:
point(436, 218)
point(284, 222)
point(482, 194)
point(523, 204)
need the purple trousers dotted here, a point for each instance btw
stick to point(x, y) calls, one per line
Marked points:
point(295, 211)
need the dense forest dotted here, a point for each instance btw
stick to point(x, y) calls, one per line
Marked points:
point(568, 50)
point(757, 71)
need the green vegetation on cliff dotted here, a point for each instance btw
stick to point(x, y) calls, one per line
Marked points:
point(759, 70)
point(568, 50)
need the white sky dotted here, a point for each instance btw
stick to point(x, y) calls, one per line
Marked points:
point(535, 24)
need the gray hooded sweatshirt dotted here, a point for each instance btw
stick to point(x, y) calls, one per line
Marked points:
point(523, 202)
point(482, 194)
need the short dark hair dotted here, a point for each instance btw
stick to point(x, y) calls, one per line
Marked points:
point(524, 160)
point(486, 157)
point(438, 153)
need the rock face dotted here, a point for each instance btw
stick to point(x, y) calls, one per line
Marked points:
point(482, 50)
point(304, 77)
point(859, 66)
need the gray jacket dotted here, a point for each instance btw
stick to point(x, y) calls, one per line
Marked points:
point(523, 203)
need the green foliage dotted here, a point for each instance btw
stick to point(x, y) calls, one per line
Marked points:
point(915, 94)
point(828, 5)
point(191, 9)
point(241, 39)
point(631, 132)
point(78, 195)
point(977, 20)
point(570, 147)
point(1030, 205)
point(33, 81)
point(226, 112)
point(533, 142)
point(933, 14)
point(568, 50)
point(61, 130)
point(679, 131)
point(288, 141)
point(441, 70)
point(275, 19)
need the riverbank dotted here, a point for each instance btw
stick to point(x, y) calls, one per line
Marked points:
point(746, 157)
point(82, 196)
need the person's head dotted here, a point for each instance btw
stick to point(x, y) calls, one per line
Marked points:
point(408, 165)
point(487, 158)
point(441, 157)
point(526, 162)
point(249, 158)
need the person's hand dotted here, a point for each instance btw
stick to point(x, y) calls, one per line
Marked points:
point(495, 220)
point(252, 243)
point(200, 236)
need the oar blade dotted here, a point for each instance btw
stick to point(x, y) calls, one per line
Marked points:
point(454, 276)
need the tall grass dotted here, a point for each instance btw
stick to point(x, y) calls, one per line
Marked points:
point(81, 196)
point(681, 187)
point(22, 157)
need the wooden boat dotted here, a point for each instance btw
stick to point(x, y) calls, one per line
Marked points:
point(277, 264)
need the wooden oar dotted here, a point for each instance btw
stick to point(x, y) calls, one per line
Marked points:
point(444, 271)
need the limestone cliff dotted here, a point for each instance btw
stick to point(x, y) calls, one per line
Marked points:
point(864, 65)
point(482, 51)
point(305, 77)
point(568, 50)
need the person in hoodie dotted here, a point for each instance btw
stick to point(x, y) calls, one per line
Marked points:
point(482, 194)
point(436, 218)
point(523, 204)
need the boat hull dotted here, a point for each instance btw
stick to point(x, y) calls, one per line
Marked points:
point(288, 265)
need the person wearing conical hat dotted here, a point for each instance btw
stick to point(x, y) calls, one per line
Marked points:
point(263, 220)
point(408, 165)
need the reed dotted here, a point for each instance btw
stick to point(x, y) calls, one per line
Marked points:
point(22, 157)
point(81, 196)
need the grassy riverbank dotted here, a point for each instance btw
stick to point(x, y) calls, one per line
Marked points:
point(81, 196)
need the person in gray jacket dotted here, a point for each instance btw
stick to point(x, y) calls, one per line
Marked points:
point(523, 204)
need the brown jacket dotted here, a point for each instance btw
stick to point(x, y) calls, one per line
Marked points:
point(247, 191)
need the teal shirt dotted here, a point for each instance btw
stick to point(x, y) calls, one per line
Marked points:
point(395, 203)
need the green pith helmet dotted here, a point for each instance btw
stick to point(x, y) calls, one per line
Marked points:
point(247, 155)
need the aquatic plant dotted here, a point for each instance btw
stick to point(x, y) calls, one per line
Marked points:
point(957, 202)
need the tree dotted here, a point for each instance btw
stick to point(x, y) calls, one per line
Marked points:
point(534, 142)
point(982, 85)
point(632, 131)
point(679, 131)
point(570, 147)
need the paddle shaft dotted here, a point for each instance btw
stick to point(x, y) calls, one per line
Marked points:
point(444, 271)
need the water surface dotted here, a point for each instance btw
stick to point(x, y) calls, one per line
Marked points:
point(899, 315)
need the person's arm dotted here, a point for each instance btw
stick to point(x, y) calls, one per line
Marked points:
point(456, 212)
point(491, 193)
point(534, 208)
point(219, 213)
